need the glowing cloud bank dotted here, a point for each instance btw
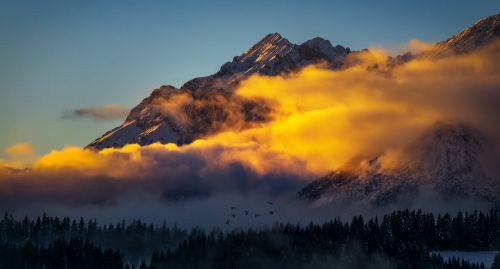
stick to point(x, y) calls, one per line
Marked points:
point(321, 120)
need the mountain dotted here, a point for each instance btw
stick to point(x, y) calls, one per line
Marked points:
point(446, 160)
point(207, 103)
point(480, 33)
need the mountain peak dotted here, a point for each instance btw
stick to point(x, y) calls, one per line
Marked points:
point(266, 49)
point(259, 57)
point(318, 42)
point(324, 47)
point(489, 21)
point(272, 36)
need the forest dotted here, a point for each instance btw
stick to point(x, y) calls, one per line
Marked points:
point(401, 239)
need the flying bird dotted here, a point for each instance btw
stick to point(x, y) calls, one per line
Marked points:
point(233, 208)
point(270, 203)
point(257, 215)
point(232, 215)
point(246, 212)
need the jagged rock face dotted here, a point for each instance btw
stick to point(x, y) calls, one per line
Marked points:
point(446, 160)
point(209, 103)
point(275, 55)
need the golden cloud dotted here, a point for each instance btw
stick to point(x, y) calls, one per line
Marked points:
point(20, 149)
point(19, 155)
point(321, 120)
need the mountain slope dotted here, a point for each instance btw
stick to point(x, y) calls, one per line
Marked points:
point(446, 160)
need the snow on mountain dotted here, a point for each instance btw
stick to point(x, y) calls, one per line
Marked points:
point(144, 124)
point(446, 160)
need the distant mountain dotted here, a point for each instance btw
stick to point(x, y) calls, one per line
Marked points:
point(446, 160)
point(208, 103)
point(206, 108)
point(480, 33)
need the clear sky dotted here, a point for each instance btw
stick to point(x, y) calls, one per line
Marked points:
point(57, 56)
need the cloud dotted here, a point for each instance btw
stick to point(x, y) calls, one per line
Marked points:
point(321, 120)
point(107, 112)
point(20, 149)
point(414, 46)
point(18, 156)
point(417, 46)
point(78, 176)
point(329, 118)
point(212, 113)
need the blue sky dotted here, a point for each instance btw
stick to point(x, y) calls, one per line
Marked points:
point(57, 56)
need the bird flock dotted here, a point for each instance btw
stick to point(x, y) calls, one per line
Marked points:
point(246, 213)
